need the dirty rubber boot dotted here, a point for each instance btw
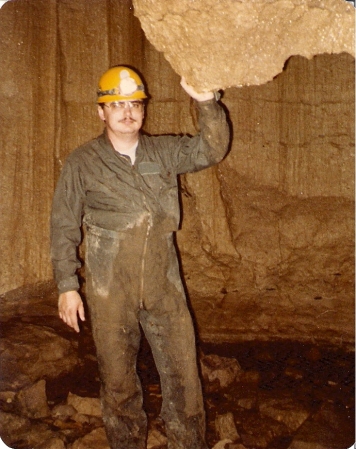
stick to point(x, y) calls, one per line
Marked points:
point(121, 436)
point(188, 433)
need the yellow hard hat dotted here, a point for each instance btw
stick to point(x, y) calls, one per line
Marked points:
point(120, 83)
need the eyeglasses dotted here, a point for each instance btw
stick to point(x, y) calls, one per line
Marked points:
point(121, 105)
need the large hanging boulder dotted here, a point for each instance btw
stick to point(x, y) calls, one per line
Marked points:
point(234, 43)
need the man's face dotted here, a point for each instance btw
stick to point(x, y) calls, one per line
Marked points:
point(122, 117)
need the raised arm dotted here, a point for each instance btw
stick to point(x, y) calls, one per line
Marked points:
point(211, 144)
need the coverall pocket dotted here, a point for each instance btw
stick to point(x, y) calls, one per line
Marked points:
point(102, 248)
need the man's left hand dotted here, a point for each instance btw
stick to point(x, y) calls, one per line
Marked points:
point(199, 96)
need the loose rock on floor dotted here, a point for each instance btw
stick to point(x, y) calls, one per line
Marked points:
point(258, 395)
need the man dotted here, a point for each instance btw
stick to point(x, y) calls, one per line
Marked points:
point(123, 187)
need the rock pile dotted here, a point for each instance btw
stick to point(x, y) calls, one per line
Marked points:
point(257, 396)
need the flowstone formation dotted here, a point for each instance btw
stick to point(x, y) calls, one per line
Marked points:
point(228, 43)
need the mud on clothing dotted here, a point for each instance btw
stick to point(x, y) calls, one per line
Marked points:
point(130, 213)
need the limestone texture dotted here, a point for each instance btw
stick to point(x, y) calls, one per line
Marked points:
point(33, 401)
point(220, 44)
point(85, 406)
point(94, 440)
point(225, 427)
point(32, 351)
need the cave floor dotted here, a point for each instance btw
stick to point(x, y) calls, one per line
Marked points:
point(318, 378)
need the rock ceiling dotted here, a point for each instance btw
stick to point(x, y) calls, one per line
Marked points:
point(225, 43)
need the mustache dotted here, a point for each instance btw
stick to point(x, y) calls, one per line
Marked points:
point(125, 119)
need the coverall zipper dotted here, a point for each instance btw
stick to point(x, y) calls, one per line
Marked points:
point(149, 225)
point(143, 263)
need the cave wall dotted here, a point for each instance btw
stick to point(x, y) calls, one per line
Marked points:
point(272, 227)
point(267, 236)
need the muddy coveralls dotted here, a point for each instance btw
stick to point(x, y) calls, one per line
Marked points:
point(132, 274)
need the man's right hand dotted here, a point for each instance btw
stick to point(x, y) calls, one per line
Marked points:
point(70, 305)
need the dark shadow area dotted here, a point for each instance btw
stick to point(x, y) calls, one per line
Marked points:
point(277, 382)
